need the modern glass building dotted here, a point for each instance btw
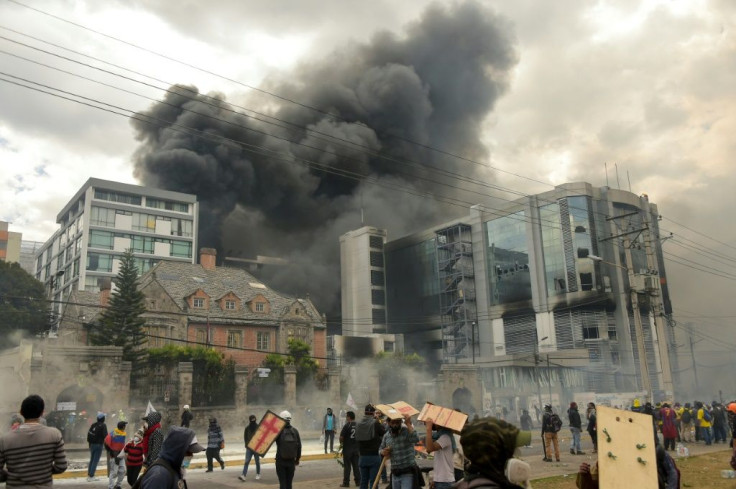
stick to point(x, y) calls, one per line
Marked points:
point(106, 218)
point(537, 295)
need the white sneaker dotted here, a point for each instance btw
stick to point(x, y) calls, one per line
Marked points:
point(241, 477)
point(258, 476)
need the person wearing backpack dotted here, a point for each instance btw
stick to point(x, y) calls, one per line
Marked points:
point(168, 470)
point(95, 438)
point(686, 424)
point(288, 452)
point(704, 420)
point(369, 433)
point(551, 424)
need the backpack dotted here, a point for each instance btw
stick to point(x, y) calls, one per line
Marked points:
point(94, 433)
point(174, 477)
point(555, 422)
point(686, 416)
point(289, 444)
point(706, 415)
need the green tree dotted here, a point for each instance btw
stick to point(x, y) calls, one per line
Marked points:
point(122, 322)
point(23, 305)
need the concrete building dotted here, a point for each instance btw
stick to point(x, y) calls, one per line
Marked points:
point(28, 252)
point(106, 218)
point(9, 244)
point(530, 303)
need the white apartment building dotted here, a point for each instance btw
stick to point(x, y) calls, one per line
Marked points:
point(106, 218)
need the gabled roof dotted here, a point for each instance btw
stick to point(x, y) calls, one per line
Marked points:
point(180, 280)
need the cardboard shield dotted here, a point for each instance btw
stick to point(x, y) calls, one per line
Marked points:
point(268, 429)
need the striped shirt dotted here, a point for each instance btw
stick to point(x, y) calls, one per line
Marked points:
point(402, 447)
point(135, 454)
point(30, 455)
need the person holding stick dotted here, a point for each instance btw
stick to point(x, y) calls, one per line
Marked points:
point(398, 444)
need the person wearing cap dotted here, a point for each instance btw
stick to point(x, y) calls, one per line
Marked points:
point(549, 435)
point(489, 445)
point(96, 439)
point(169, 469)
point(114, 445)
point(134, 457)
point(369, 433)
point(248, 433)
point(153, 437)
point(286, 466)
point(398, 443)
point(186, 416)
point(443, 443)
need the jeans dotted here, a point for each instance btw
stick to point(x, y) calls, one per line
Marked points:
point(285, 472)
point(95, 450)
point(115, 472)
point(330, 435)
point(706, 435)
point(369, 465)
point(350, 461)
point(248, 455)
point(575, 442)
point(719, 433)
point(403, 481)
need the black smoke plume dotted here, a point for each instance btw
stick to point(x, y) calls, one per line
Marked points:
point(392, 98)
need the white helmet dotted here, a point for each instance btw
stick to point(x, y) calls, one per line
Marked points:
point(286, 415)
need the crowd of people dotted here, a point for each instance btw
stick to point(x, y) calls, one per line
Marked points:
point(481, 456)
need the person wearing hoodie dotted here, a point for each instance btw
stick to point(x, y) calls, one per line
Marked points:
point(169, 469)
point(30, 454)
point(114, 445)
point(248, 433)
point(215, 442)
point(96, 439)
point(134, 457)
point(153, 438)
point(576, 427)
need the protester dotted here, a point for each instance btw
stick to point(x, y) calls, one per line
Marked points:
point(168, 470)
point(720, 422)
point(703, 417)
point(593, 424)
point(525, 420)
point(215, 443)
point(114, 445)
point(186, 416)
point(153, 437)
point(398, 444)
point(443, 444)
point(669, 429)
point(329, 425)
point(686, 423)
point(134, 457)
point(288, 452)
point(350, 454)
point(248, 433)
point(489, 446)
point(369, 434)
point(32, 453)
point(549, 434)
point(95, 438)
point(576, 427)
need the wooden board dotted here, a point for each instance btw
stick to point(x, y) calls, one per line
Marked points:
point(397, 410)
point(619, 434)
point(445, 417)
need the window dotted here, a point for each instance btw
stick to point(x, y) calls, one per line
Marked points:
point(378, 297)
point(117, 197)
point(379, 316)
point(260, 307)
point(99, 262)
point(377, 278)
point(263, 340)
point(181, 227)
point(167, 205)
point(198, 303)
point(201, 336)
point(181, 248)
point(375, 242)
point(99, 216)
point(144, 222)
point(230, 305)
point(376, 259)
point(234, 339)
point(100, 239)
point(590, 332)
point(156, 336)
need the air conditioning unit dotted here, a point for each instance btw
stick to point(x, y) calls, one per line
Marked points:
point(650, 283)
point(637, 283)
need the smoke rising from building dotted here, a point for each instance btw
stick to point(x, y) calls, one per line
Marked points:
point(433, 86)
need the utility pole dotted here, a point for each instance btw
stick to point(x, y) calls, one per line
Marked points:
point(549, 377)
point(638, 329)
point(692, 354)
point(655, 296)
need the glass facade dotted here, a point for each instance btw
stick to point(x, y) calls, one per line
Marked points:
point(508, 260)
point(580, 225)
point(553, 250)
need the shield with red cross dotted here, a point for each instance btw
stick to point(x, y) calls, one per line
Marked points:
point(268, 429)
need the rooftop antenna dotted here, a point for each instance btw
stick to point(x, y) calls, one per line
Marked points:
point(629, 179)
point(362, 216)
point(605, 166)
point(618, 181)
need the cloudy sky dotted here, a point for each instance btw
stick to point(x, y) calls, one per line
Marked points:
point(646, 87)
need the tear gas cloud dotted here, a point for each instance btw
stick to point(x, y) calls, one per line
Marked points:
point(392, 97)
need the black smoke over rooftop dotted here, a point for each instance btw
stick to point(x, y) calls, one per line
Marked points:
point(433, 86)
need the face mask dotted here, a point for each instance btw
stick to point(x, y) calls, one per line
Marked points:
point(185, 463)
point(395, 429)
point(145, 425)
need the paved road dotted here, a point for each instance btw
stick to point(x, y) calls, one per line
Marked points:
point(319, 471)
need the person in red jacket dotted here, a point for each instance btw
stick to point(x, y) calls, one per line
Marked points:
point(134, 457)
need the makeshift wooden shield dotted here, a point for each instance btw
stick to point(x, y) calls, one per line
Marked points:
point(268, 429)
point(626, 454)
point(445, 417)
point(397, 410)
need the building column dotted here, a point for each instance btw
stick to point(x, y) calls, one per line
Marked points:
point(186, 372)
point(334, 387)
point(290, 386)
point(241, 386)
